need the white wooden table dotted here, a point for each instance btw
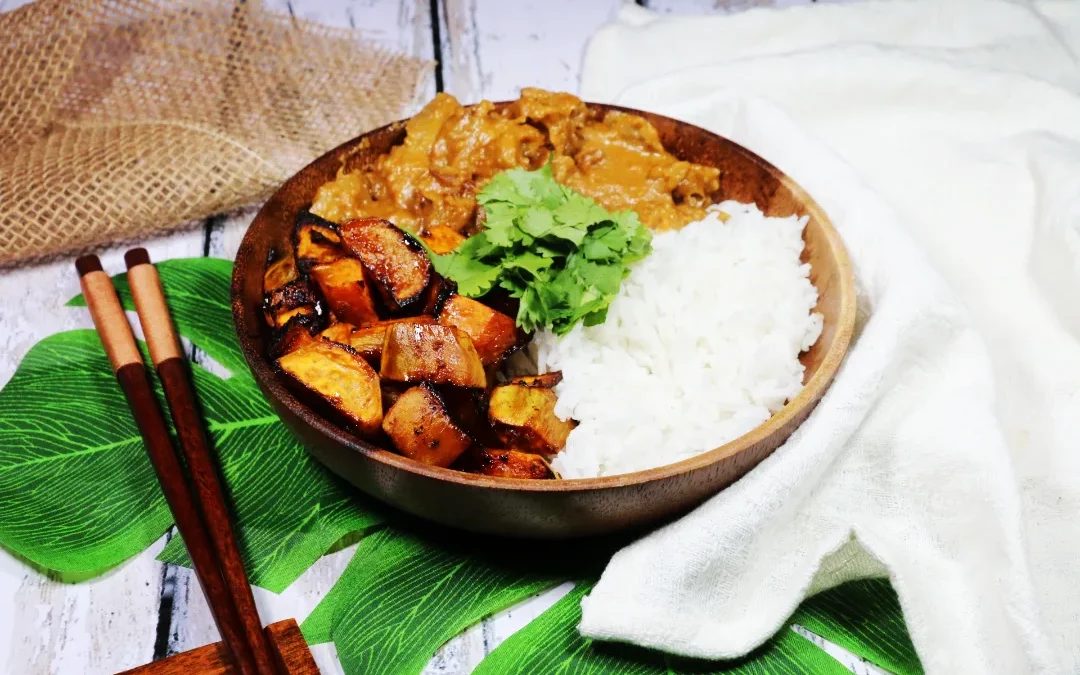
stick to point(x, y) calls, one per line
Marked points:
point(145, 609)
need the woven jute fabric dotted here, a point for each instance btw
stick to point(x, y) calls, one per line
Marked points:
point(120, 118)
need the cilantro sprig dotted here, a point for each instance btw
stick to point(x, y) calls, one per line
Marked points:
point(559, 252)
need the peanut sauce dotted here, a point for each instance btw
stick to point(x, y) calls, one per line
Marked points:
point(450, 152)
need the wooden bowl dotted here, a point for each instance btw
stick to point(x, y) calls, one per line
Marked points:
point(566, 508)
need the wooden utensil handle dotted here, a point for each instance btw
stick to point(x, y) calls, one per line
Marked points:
point(164, 345)
point(291, 654)
point(134, 380)
point(181, 399)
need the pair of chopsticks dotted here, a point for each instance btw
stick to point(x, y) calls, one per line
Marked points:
point(196, 499)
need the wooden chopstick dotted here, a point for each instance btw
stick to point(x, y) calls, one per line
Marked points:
point(134, 379)
point(168, 358)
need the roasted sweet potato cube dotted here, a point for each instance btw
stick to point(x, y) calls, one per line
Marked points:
point(438, 292)
point(316, 241)
point(284, 317)
point(396, 263)
point(442, 239)
point(420, 428)
point(439, 354)
point(368, 343)
point(339, 332)
point(296, 333)
point(293, 299)
point(368, 340)
point(524, 417)
point(346, 291)
point(279, 273)
point(543, 380)
point(493, 333)
point(422, 319)
point(505, 464)
point(341, 378)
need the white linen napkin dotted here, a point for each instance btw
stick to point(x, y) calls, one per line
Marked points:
point(942, 137)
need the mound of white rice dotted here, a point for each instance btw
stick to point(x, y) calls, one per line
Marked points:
point(700, 346)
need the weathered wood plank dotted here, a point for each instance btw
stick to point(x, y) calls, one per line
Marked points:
point(104, 624)
point(195, 626)
point(857, 665)
point(8, 5)
point(401, 25)
point(32, 298)
point(714, 6)
point(490, 49)
point(93, 627)
point(707, 6)
point(728, 6)
point(505, 624)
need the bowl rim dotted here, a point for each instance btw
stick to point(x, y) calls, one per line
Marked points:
point(810, 393)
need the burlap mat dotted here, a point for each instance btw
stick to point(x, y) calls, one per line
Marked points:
point(120, 118)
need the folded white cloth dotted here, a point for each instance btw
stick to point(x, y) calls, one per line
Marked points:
point(943, 139)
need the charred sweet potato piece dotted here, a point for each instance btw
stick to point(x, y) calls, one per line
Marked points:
point(341, 378)
point(468, 409)
point(432, 352)
point(492, 333)
point(442, 239)
point(339, 332)
point(279, 273)
point(524, 417)
point(347, 293)
point(316, 241)
point(420, 428)
point(297, 332)
point(386, 323)
point(293, 299)
point(368, 340)
point(438, 292)
point(543, 380)
point(505, 464)
point(366, 343)
point(396, 263)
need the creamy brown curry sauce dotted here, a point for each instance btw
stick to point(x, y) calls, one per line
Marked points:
point(450, 152)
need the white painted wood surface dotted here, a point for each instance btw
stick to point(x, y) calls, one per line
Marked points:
point(488, 49)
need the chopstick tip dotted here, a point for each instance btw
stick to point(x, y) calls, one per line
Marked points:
point(136, 256)
point(87, 264)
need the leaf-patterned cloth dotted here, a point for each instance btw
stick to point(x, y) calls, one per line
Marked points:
point(79, 496)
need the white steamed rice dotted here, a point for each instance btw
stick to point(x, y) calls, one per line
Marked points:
point(700, 346)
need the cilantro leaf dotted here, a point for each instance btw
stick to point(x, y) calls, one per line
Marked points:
point(501, 188)
point(605, 243)
point(572, 232)
point(499, 223)
point(562, 255)
point(537, 222)
point(528, 262)
point(579, 210)
point(474, 278)
point(548, 192)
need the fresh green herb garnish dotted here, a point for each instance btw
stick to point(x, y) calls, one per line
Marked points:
point(559, 252)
